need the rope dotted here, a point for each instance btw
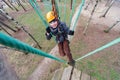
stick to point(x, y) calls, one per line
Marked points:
point(73, 9)
point(16, 44)
point(112, 26)
point(99, 49)
point(79, 13)
point(38, 11)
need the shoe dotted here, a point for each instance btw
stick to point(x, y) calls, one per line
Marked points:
point(71, 63)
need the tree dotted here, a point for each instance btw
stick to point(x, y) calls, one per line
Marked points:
point(85, 29)
point(87, 4)
point(106, 31)
point(7, 26)
point(20, 4)
point(112, 2)
point(18, 25)
point(108, 2)
point(5, 30)
point(13, 5)
point(6, 15)
point(7, 4)
point(71, 4)
point(31, 37)
point(23, 1)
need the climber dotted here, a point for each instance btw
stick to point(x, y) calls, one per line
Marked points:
point(60, 31)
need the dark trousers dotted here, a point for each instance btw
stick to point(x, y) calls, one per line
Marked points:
point(64, 49)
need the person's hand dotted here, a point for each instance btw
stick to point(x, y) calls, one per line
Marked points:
point(48, 36)
point(48, 30)
point(71, 32)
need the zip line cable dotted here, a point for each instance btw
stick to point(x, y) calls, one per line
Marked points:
point(21, 46)
point(116, 41)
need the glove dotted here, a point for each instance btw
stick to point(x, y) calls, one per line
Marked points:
point(48, 29)
point(48, 36)
point(71, 32)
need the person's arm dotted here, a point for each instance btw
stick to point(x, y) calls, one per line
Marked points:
point(67, 30)
point(48, 33)
point(71, 32)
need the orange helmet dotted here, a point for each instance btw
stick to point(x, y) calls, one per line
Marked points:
point(50, 16)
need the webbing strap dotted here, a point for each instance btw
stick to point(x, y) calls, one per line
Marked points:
point(99, 49)
point(18, 45)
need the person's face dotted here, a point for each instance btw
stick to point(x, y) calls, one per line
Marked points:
point(54, 23)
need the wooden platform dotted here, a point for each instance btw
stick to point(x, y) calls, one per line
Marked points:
point(66, 74)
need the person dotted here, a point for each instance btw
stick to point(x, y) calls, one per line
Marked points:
point(60, 31)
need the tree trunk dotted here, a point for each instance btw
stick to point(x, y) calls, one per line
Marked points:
point(108, 8)
point(32, 37)
point(5, 30)
point(2, 23)
point(6, 15)
point(8, 4)
point(84, 32)
point(6, 71)
point(71, 4)
point(23, 1)
point(13, 5)
point(19, 25)
point(107, 31)
point(21, 5)
point(108, 2)
point(90, 1)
